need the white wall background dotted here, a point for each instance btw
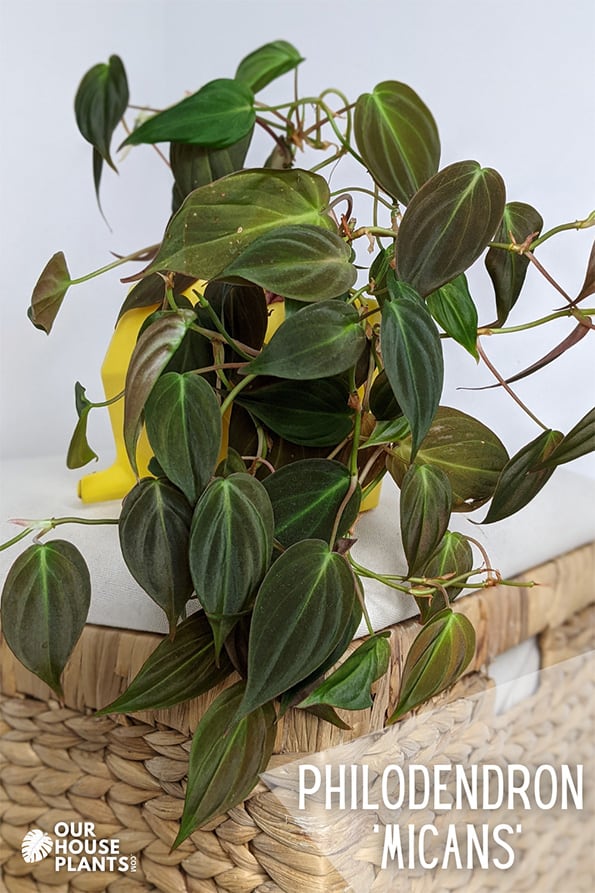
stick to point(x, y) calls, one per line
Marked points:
point(510, 84)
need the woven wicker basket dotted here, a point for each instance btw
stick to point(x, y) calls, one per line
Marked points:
point(60, 764)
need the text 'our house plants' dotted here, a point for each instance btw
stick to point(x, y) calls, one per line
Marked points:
point(265, 445)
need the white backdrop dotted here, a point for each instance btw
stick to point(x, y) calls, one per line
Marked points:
point(510, 85)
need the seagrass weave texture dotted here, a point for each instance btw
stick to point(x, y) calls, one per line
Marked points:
point(60, 764)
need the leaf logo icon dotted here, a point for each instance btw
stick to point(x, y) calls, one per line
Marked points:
point(36, 845)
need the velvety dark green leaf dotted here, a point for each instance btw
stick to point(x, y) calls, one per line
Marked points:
point(45, 602)
point(243, 311)
point(523, 476)
point(79, 451)
point(453, 308)
point(467, 451)
point(301, 611)
point(310, 413)
point(438, 656)
point(321, 340)
point(447, 224)
point(49, 292)
point(231, 464)
point(154, 537)
point(349, 686)
point(388, 431)
point(507, 269)
point(226, 759)
point(193, 166)
point(306, 497)
point(302, 262)
point(327, 714)
point(412, 355)
point(397, 138)
point(184, 429)
point(152, 353)
point(452, 558)
point(425, 503)
point(218, 115)
point(267, 63)
point(382, 263)
point(217, 222)
point(578, 442)
point(231, 543)
point(100, 102)
point(176, 671)
point(383, 403)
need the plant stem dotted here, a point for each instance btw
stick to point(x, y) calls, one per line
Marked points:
point(365, 572)
point(16, 538)
point(234, 393)
point(549, 278)
point(576, 224)
point(44, 526)
point(116, 263)
point(204, 303)
point(507, 387)
point(559, 314)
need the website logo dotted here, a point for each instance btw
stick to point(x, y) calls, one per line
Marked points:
point(36, 845)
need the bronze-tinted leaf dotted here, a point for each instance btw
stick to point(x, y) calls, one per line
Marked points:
point(452, 558)
point(79, 451)
point(397, 138)
point(507, 269)
point(45, 602)
point(588, 287)
point(425, 507)
point(578, 442)
point(49, 292)
point(226, 758)
point(193, 166)
point(523, 476)
point(447, 225)
point(438, 656)
point(469, 453)
point(154, 349)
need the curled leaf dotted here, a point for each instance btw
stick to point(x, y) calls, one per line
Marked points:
point(49, 292)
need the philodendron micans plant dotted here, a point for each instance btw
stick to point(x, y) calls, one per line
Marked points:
point(264, 447)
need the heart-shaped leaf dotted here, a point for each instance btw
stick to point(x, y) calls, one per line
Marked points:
point(79, 451)
point(452, 558)
point(507, 269)
point(231, 543)
point(309, 413)
point(388, 431)
point(468, 452)
point(397, 138)
point(184, 429)
point(425, 506)
point(218, 115)
point(301, 262)
point(226, 759)
point(153, 351)
point(453, 308)
point(438, 656)
point(193, 166)
point(320, 341)
point(447, 224)
point(578, 442)
point(306, 496)
point(349, 686)
point(301, 610)
point(45, 602)
point(412, 355)
point(99, 104)
point(218, 221)
point(523, 476)
point(176, 671)
point(49, 292)
point(267, 63)
point(154, 537)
